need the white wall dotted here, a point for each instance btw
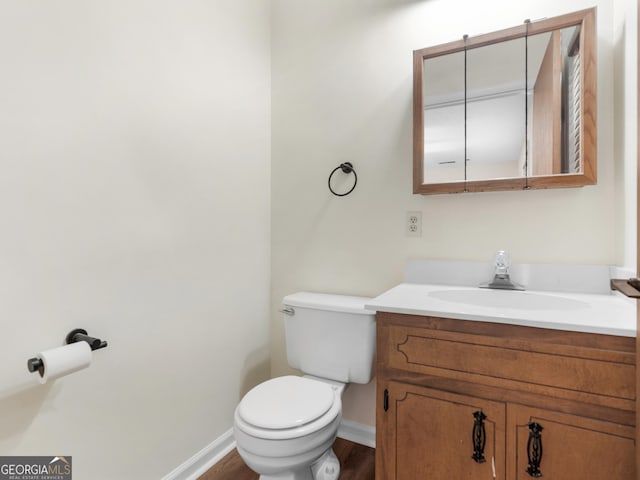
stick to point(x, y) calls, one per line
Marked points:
point(625, 41)
point(341, 91)
point(135, 203)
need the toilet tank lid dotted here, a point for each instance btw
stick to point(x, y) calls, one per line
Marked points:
point(330, 302)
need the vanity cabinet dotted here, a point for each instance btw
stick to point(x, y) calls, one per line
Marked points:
point(433, 434)
point(573, 446)
point(473, 400)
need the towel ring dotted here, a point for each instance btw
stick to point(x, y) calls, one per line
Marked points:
point(347, 168)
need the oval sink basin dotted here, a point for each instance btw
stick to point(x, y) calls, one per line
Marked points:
point(508, 299)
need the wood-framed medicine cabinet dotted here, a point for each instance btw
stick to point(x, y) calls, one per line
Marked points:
point(507, 110)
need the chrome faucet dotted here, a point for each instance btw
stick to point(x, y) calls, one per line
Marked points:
point(501, 278)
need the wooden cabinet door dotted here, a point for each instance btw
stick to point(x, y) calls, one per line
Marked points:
point(428, 434)
point(572, 447)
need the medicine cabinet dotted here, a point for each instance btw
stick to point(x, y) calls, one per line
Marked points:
point(512, 109)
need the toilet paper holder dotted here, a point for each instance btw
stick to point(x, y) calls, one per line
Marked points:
point(75, 335)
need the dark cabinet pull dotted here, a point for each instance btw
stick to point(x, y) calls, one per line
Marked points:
point(534, 449)
point(479, 437)
point(385, 400)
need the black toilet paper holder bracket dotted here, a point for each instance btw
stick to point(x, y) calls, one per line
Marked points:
point(80, 335)
point(76, 335)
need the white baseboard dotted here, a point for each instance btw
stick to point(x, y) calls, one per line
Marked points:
point(216, 450)
point(204, 459)
point(358, 433)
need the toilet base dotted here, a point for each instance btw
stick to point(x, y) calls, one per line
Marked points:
point(327, 467)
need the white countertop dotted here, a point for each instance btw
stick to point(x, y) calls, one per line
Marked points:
point(612, 314)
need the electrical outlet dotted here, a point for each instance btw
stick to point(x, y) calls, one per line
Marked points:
point(413, 224)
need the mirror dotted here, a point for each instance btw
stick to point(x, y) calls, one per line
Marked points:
point(513, 109)
point(496, 110)
point(444, 118)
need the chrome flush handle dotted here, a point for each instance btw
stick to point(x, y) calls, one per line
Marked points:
point(288, 311)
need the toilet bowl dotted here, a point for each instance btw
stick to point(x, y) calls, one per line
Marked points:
point(285, 427)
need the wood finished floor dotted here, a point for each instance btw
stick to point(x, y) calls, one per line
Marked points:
point(357, 462)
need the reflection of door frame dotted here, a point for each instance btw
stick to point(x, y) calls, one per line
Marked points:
point(546, 128)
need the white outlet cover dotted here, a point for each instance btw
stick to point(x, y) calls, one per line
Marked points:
point(413, 224)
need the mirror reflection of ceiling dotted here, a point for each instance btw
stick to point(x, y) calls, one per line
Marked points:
point(495, 96)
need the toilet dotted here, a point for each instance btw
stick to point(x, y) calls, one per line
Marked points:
point(285, 427)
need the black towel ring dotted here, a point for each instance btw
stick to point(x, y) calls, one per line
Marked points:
point(347, 168)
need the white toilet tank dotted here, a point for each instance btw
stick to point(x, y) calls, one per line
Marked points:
point(330, 336)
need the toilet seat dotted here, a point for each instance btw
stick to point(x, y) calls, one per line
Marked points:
point(287, 407)
point(286, 402)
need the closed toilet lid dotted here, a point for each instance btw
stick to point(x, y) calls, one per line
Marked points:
point(286, 402)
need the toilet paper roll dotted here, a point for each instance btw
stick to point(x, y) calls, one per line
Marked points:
point(62, 361)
